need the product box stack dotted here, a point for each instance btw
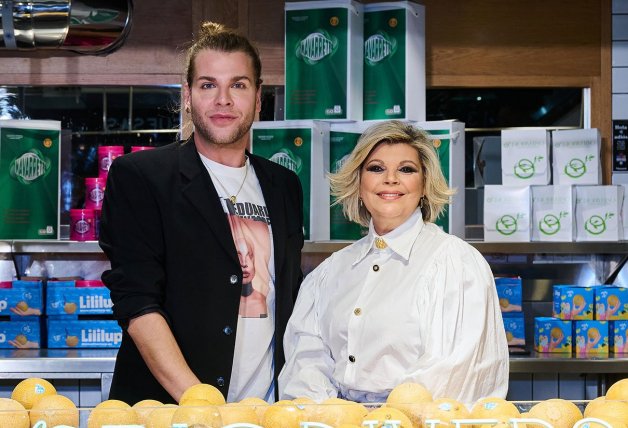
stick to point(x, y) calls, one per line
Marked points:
point(79, 315)
point(510, 302)
point(586, 320)
point(21, 307)
point(346, 64)
point(303, 147)
point(576, 207)
point(29, 179)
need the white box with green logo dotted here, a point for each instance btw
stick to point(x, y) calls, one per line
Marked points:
point(507, 213)
point(598, 213)
point(394, 61)
point(323, 60)
point(525, 157)
point(448, 138)
point(29, 179)
point(303, 147)
point(576, 156)
point(553, 209)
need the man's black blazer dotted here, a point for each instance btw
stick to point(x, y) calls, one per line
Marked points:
point(167, 237)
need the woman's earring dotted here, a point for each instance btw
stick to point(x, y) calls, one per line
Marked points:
point(187, 109)
point(360, 202)
point(421, 202)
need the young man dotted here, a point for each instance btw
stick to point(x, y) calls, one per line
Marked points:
point(176, 277)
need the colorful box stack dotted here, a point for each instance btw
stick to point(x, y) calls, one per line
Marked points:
point(510, 302)
point(21, 306)
point(79, 315)
point(598, 315)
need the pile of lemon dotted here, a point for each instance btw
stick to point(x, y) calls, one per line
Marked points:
point(35, 401)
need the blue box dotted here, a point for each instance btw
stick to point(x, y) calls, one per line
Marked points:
point(515, 328)
point(63, 298)
point(573, 302)
point(22, 301)
point(611, 303)
point(509, 294)
point(63, 333)
point(552, 335)
point(591, 337)
point(19, 334)
point(618, 332)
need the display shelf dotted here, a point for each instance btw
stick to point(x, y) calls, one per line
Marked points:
point(61, 246)
point(49, 246)
point(504, 247)
point(73, 362)
point(566, 363)
point(97, 361)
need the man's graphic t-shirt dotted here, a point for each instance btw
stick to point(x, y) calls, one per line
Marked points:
point(252, 373)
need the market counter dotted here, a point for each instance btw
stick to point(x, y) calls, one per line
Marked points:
point(97, 364)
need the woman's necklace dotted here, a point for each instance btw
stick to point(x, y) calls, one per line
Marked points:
point(232, 198)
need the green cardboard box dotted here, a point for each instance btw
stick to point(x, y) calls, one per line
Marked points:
point(303, 147)
point(394, 61)
point(323, 60)
point(29, 179)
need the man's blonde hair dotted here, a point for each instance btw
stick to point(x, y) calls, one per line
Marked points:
point(345, 183)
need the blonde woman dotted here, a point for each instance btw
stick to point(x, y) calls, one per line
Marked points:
point(406, 303)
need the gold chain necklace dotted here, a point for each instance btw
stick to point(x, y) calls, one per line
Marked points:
point(232, 198)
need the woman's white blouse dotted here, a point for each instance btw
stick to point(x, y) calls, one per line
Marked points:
point(424, 309)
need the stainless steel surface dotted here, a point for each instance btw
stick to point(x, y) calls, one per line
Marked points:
point(86, 26)
point(94, 363)
point(557, 363)
point(60, 361)
point(513, 248)
point(583, 248)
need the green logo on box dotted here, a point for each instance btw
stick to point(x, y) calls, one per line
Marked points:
point(506, 225)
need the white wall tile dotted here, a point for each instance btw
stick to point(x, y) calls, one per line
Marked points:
point(620, 54)
point(620, 80)
point(620, 106)
point(620, 27)
point(620, 6)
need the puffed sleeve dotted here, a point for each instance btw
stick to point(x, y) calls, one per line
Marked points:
point(131, 237)
point(309, 365)
point(466, 351)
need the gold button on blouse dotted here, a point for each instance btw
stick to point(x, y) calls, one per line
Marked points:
point(357, 311)
point(380, 244)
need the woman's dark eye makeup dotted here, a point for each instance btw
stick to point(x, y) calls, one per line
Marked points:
point(406, 169)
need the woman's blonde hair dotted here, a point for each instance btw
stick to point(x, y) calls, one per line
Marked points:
point(345, 183)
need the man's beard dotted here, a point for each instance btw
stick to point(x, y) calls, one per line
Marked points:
point(206, 132)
